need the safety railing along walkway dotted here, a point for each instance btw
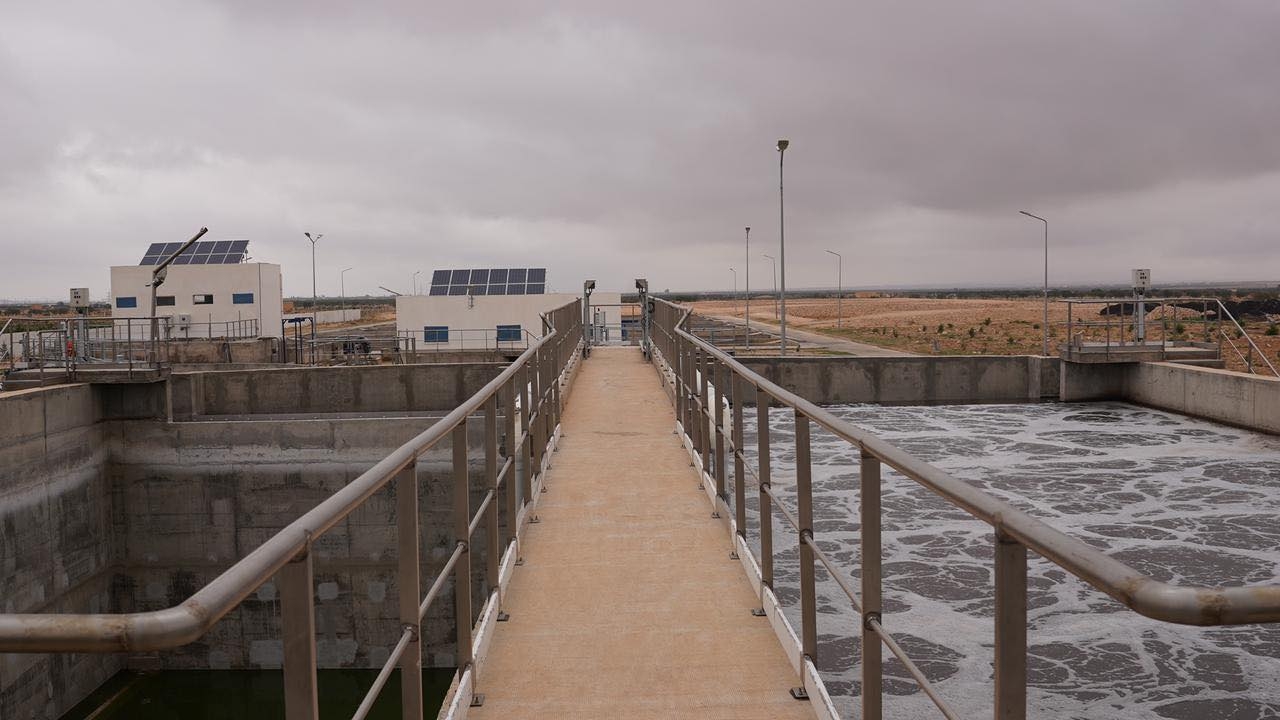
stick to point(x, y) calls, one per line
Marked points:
point(709, 385)
point(628, 603)
point(528, 389)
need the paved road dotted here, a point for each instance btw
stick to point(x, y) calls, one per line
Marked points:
point(628, 604)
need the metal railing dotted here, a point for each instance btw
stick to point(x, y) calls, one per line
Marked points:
point(706, 381)
point(529, 386)
point(1116, 331)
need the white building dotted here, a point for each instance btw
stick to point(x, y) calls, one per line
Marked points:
point(211, 295)
point(482, 314)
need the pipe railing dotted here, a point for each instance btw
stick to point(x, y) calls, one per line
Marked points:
point(531, 383)
point(694, 367)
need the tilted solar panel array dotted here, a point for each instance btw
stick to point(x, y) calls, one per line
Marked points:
point(210, 252)
point(490, 281)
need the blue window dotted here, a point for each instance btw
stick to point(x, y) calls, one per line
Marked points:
point(436, 333)
point(509, 333)
point(241, 298)
point(126, 302)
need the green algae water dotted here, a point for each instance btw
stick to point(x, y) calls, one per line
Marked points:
point(246, 694)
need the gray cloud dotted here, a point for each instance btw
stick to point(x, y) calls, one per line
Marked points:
point(622, 139)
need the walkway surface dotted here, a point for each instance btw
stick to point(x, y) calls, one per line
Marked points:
point(628, 604)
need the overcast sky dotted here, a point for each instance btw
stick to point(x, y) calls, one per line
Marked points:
point(618, 140)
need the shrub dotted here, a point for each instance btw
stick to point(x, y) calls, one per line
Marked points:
point(987, 321)
point(1035, 326)
point(972, 332)
point(1273, 329)
point(941, 327)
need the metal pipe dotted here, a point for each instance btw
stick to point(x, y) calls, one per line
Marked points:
point(869, 518)
point(915, 671)
point(782, 244)
point(738, 397)
point(461, 532)
point(804, 498)
point(766, 504)
point(409, 581)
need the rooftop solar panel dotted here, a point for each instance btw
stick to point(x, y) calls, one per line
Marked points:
point(537, 275)
point(213, 252)
point(460, 277)
point(488, 281)
point(479, 277)
point(440, 277)
point(535, 289)
point(516, 275)
point(439, 290)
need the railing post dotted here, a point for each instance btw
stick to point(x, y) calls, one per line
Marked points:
point(766, 503)
point(704, 412)
point(298, 625)
point(804, 499)
point(1011, 629)
point(718, 371)
point(869, 529)
point(537, 412)
point(409, 581)
point(739, 467)
point(462, 570)
point(678, 360)
point(491, 482)
point(526, 442)
point(511, 445)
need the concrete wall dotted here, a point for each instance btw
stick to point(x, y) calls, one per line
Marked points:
point(261, 350)
point(221, 281)
point(913, 380)
point(56, 545)
point(1248, 401)
point(189, 499)
point(378, 388)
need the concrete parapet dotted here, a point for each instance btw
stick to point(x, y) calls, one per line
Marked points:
point(913, 380)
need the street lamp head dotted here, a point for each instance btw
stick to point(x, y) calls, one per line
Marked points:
point(748, 229)
point(833, 252)
point(782, 145)
point(1037, 217)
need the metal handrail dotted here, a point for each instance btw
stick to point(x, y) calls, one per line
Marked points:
point(692, 360)
point(535, 374)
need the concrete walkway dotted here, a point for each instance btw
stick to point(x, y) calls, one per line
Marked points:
point(628, 604)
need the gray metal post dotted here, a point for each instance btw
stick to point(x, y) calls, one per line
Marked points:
point(526, 444)
point(462, 570)
point(872, 652)
point(782, 245)
point(739, 396)
point(492, 537)
point(746, 314)
point(409, 581)
point(804, 500)
point(513, 453)
point(704, 420)
point(298, 626)
point(718, 373)
point(1011, 629)
point(766, 503)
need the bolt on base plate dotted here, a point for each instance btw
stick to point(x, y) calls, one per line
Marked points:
point(799, 693)
point(758, 612)
point(477, 700)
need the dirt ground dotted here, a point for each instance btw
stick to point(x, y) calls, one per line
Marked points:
point(996, 326)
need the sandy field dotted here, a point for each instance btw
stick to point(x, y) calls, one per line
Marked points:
point(996, 326)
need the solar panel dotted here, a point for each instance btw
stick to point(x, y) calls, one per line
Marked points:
point(207, 252)
point(489, 281)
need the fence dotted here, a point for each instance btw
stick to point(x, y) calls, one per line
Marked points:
point(531, 386)
point(709, 384)
point(1181, 323)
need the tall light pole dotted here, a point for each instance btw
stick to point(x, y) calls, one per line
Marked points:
point(746, 314)
point(414, 279)
point(735, 287)
point(839, 286)
point(782, 245)
point(1045, 324)
point(314, 297)
point(342, 288)
point(775, 285)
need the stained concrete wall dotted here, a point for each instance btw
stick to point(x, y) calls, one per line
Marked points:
point(105, 507)
point(943, 379)
point(189, 499)
point(1248, 401)
point(55, 538)
point(258, 350)
point(387, 388)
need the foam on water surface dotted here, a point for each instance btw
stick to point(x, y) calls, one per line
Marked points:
point(1183, 500)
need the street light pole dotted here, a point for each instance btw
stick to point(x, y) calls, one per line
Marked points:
point(342, 288)
point(414, 279)
point(746, 314)
point(775, 285)
point(314, 297)
point(1045, 324)
point(839, 286)
point(735, 287)
point(782, 245)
